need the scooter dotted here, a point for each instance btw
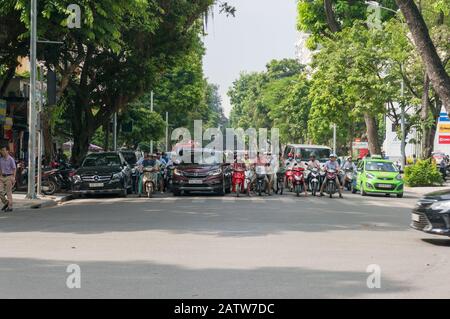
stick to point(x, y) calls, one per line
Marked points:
point(331, 186)
point(238, 180)
point(249, 177)
point(149, 180)
point(289, 179)
point(314, 181)
point(299, 180)
point(280, 182)
point(260, 180)
point(348, 179)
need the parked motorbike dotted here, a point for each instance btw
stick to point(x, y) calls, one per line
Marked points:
point(331, 186)
point(238, 180)
point(149, 180)
point(168, 173)
point(314, 181)
point(49, 179)
point(299, 180)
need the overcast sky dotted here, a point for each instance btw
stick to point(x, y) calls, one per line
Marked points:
point(261, 31)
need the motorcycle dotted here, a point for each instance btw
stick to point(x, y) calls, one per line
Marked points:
point(348, 179)
point(238, 180)
point(168, 173)
point(299, 180)
point(49, 180)
point(260, 180)
point(314, 181)
point(149, 180)
point(331, 186)
point(249, 178)
point(289, 177)
point(280, 182)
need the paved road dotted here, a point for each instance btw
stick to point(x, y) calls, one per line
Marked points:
point(213, 247)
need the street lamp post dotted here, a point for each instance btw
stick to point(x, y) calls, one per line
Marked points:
point(31, 193)
point(402, 106)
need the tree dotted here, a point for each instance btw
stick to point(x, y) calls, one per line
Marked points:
point(427, 50)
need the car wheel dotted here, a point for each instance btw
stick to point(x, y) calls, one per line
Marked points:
point(363, 192)
point(223, 190)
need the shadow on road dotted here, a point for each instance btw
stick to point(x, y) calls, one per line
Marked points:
point(32, 278)
point(218, 216)
point(437, 241)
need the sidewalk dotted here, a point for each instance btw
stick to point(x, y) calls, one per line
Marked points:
point(21, 203)
point(420, 191)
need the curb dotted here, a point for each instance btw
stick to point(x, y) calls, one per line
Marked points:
point(52, 203)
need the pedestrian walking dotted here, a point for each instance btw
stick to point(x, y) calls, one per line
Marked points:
point(7, 178)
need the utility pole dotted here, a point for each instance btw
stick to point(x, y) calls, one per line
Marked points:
point(151, 109)
point(31, 194)
point(40, 137)
point(334, 138)
point(403, 142)
point(167, 132)
point(115, 131)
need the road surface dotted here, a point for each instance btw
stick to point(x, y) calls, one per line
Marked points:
point(221, 247)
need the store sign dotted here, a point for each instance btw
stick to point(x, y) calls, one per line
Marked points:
point(443, 117)
point(444, 128)
point(360, 145)
point(444, 139)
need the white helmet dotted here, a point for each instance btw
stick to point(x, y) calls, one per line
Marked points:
point(333, 155)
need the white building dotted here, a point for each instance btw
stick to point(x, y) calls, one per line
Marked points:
point(392, 143)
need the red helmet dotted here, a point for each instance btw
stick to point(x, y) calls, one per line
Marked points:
point(290, 155)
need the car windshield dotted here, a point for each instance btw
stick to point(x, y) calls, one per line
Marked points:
point(130, 157)
point(380, 166)
point(322, 154)
point(199, 156)
point(96, 160)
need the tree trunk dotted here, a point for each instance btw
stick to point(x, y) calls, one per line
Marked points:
point(47, 135)
point(434, 67)
point(372, 134)
point(333, 24)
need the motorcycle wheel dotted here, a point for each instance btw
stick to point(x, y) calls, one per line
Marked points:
point(297, 190)
point(149, 189)
point(363, 192)
point(281, 188)
point(238, 188)
point(51, 187)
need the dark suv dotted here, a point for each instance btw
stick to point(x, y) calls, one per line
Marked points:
point(210, 174)
point(103, 173)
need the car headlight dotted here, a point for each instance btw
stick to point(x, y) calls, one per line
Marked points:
point(215, 172)
point(370, 176)
point(399, 177)
point(76, 178)
point(177, 172)
point(117, 177)
point(442, 206)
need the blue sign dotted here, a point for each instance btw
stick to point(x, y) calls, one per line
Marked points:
point(444, 117)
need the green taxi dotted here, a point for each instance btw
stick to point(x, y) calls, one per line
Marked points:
point(378, 176)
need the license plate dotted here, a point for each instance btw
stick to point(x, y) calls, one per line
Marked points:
point(195, 181)
point(415, 217)
point(387, 186)
point(96, 185)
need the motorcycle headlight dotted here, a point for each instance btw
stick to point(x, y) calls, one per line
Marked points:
point(215, 172)
point(370, 176)
point(76, 178)
point(177, 172)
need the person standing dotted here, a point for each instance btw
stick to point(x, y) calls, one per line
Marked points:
point(7, 178)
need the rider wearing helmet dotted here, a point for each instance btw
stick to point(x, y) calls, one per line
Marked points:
point(332, 164)
point(289, 161)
